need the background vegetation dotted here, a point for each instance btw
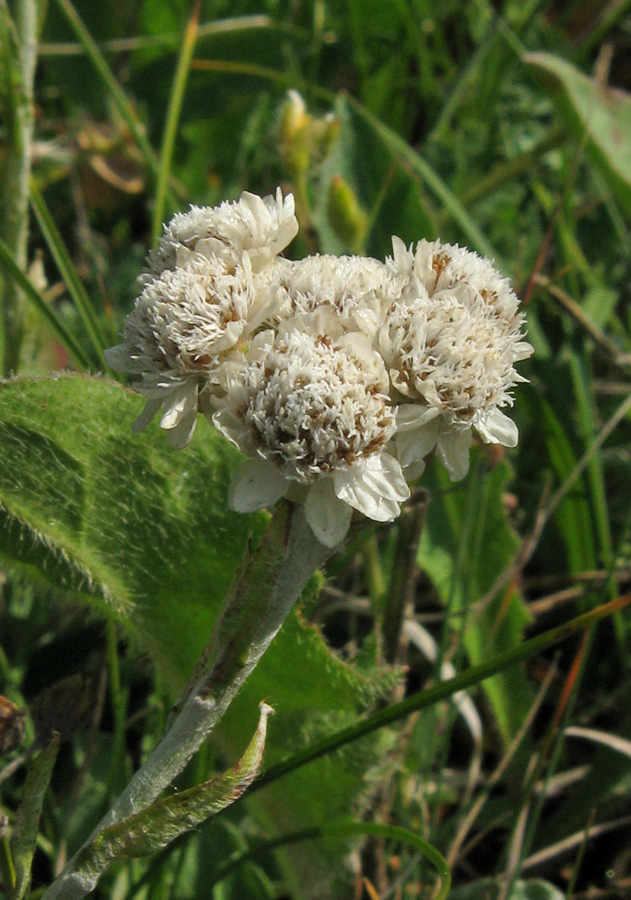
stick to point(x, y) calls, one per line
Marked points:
point(505, 127)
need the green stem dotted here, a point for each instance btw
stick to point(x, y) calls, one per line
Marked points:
point(19, 48)
point(68, 271)
point(110, 83)
point(43, 308)
point(510, 170)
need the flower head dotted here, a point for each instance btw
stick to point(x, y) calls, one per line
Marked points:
point(206, 290)
point(310, 406)
point(184, 322)
point(335, 376)
point(252, 226)
point(450, 345)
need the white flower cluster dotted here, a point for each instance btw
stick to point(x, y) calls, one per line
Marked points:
point(335, 376)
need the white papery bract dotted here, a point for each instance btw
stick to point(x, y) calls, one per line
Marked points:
point(450, 345)
point(252, 226)
point(310, 406)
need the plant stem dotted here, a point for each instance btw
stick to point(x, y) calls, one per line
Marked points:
point(19, 47)
point(262, 594)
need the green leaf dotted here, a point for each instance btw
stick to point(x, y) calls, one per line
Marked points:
point(28, 815)
point(166, 819)
point(590, 109)
point(43, 309)
point(116, 519)
point(574, 516)
point(420, 171)
point(110, 84)
point(344, 828)
point(171, 126)
point(68, 271)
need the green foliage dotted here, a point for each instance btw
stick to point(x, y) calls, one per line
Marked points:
point(27, 818)
point(163, 821)
point(117, 521)
point(490, 125)
point(467, 541)
point(600, 114)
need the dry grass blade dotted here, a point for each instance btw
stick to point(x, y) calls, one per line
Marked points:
point(621, 745)
point(573, 841)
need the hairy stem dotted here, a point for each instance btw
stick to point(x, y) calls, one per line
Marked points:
point(262, 594)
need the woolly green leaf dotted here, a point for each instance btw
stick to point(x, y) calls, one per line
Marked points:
point(116, 519)
point(603, 114)
point(143, 532)
point(166, 819)
point(126, 524)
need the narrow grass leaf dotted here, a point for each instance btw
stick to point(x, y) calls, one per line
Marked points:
point(467, 541)
point(403, 836)
point(68, 272)
point(27, 817)
point(173, 119)
point(574, 515)
point(342, 828)
point(43, 308)
point(404, 153)
point(442, 691)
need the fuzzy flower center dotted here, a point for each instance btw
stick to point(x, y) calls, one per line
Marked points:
point(442, 352)
point(313, 406)
point(184, 318)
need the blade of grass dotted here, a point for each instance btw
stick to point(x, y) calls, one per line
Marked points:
point(441, 691)
point(276, 76)
point(169, 40)
point(68, 271)
point(173, 118)
point(28, 815)
point(512, 168)
point(475, 808)
point(111, 84)
point(579, 369)
point(45, 311)
point(543, 768)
